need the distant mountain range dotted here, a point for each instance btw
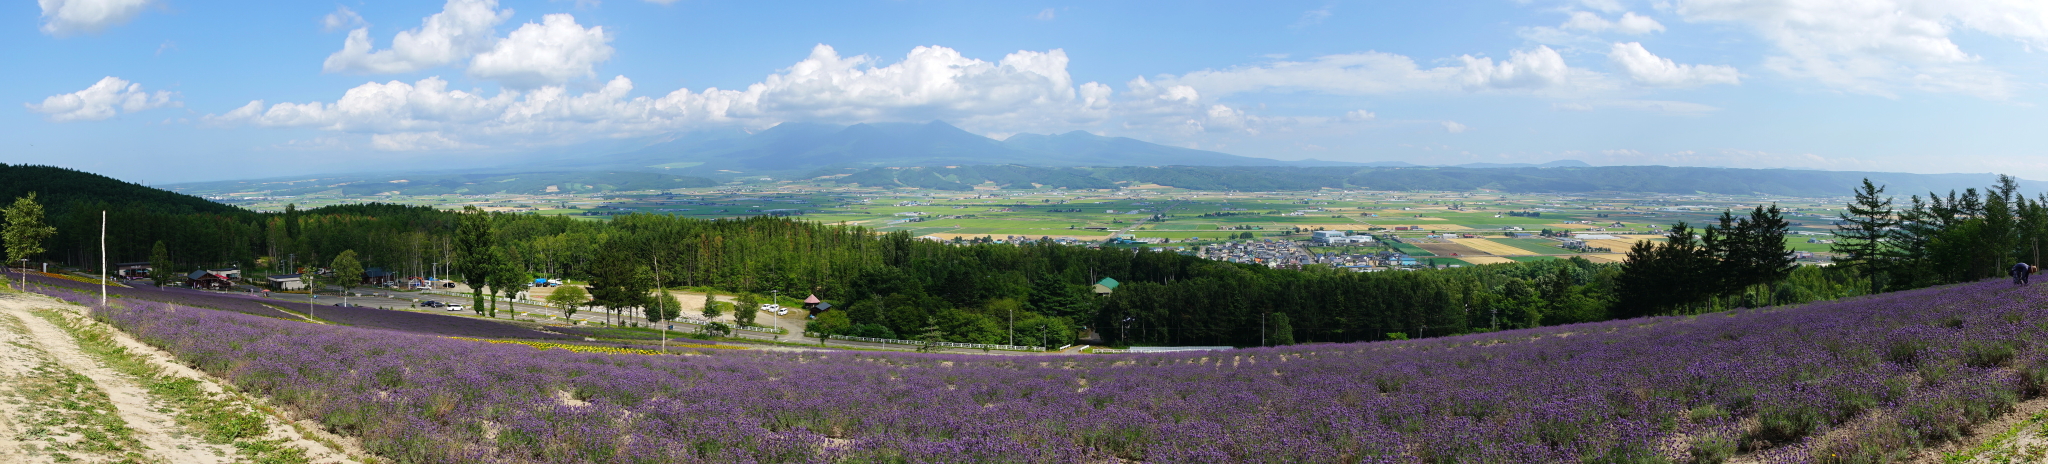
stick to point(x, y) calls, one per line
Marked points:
point(809, 146)
point(936, 155)
point(1562, 179)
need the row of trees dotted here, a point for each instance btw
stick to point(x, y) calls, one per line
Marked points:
point(1941, 239)
point(1693, 268)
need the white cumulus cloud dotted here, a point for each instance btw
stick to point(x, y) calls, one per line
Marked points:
point(1630, 23)
point(462, 29)
point(552, 52)
point(104, 99)
point(1651, 70)
point(1026, 90)
point(1539, 70)
point(341, 18)
point(1454, 127)
point(1882, 46)
point(66, 17)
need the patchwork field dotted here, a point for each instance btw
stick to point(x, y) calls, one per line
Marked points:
point(1150, 213)
point(1485, 259)
point(1451, 249)
point(1605, 257)
point(1491, 247)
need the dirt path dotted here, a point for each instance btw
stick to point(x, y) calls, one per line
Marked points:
point(29, 432)
point(2018, 436)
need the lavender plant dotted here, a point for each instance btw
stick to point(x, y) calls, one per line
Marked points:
point(1857, 380)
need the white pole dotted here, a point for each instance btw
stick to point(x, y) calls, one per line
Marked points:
point(103, 258)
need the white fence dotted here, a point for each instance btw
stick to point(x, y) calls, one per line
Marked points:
point(685, 320)
point(977, 346)
point(1159, 349)
point(766, 330)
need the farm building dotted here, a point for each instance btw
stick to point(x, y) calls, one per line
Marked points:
point(287, 282)
point(207, 280)
point(377, 276)
point(1104, 286)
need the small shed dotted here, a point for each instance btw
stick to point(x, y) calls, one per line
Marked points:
point(816, 307)
point(1104, 286)
point(287, 282)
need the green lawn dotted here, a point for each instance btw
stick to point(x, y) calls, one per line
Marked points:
point(1798, 243)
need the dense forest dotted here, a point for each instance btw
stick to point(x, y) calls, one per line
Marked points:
point(894, 285)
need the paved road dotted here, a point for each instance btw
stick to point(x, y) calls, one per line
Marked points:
point(384, 298)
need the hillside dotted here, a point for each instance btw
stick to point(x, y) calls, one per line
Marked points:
point(1872, 379)
point(1645, 179)
point(60, 188)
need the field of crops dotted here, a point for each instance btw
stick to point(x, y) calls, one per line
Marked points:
point(1861, 380)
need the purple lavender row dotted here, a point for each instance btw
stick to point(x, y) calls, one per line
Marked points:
point(1854, 380)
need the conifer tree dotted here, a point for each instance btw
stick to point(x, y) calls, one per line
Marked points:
point(1862, 233)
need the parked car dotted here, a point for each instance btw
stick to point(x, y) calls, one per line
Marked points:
point(432, 304)
point(455, 307)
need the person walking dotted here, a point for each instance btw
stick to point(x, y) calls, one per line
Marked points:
point(2020, 272)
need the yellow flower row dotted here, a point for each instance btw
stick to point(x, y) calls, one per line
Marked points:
point(595, 349)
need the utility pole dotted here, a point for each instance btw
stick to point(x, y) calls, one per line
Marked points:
point(660, 309)
point(103, 258)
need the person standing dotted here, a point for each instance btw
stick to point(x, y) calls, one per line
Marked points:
point(2020, 272)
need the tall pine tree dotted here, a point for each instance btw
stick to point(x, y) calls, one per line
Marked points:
point(1863, 231)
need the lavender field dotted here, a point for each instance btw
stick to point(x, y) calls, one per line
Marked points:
point(1852, 381)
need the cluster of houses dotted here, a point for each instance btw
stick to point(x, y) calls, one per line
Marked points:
point(1287, 255)
point(1271, 253)
point(1341, 238)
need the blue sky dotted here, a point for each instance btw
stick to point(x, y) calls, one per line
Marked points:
point(178, 90)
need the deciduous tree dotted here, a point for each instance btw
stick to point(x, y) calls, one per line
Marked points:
point(568, 299)
point(348, 273)
point(160, 267)
point(476, 259)
point(25, 229)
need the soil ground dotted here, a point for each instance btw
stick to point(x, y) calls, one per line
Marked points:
point(100, 406)
point(1447, 249)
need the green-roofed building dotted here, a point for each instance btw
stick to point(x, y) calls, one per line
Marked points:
point(1104, 286)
